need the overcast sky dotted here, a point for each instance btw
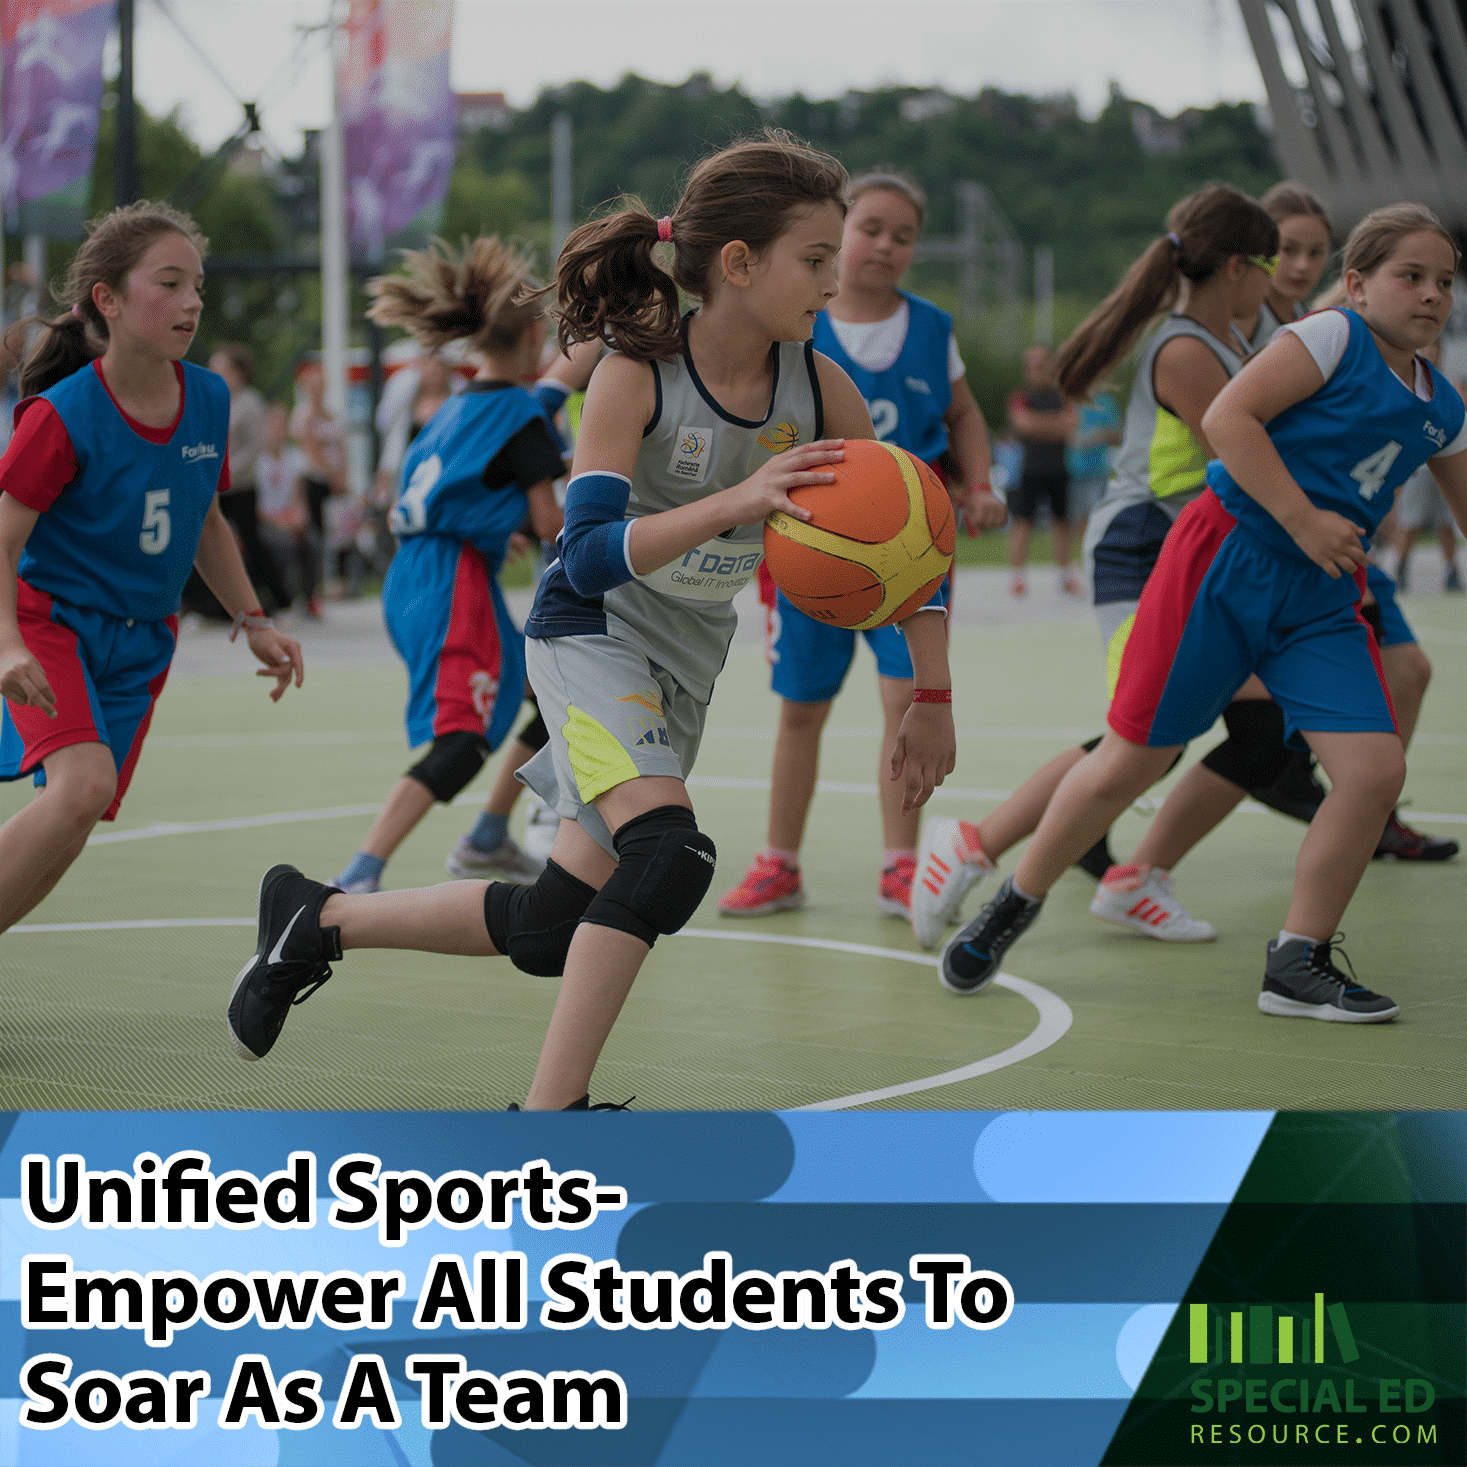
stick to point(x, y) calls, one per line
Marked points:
point(1171, 53)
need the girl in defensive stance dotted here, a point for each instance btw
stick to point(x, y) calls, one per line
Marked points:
point(693, 432)
point(1263, 574)
point(108, 497)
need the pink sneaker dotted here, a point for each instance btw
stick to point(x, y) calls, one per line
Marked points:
point(768, 886)
point(894, 896)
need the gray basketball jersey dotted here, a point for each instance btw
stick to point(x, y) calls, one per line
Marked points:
point(681, 615)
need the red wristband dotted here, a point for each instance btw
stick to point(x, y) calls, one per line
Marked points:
point(932, 695)
point(983, 488)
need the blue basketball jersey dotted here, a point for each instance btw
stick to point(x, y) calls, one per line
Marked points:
point(443, 490)
point(908, 399)
point(1352, 444)
point(122, 536)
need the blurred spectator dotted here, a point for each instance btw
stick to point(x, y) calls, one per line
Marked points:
point(239, 503)
point(1088, 458)
point(412, 395)
point(323, 441)
point(1043, 422)
point(280, 475)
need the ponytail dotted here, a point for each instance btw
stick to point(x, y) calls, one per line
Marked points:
point(1204, 231)
point(115, 242)
point(609, 286)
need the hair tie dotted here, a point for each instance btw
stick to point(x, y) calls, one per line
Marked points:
point(664, 228)
point(1176, 242)
point(77, 311)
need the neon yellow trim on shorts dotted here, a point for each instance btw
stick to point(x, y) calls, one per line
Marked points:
point(597, 758)
point(1177, 461)
point(1116, 651)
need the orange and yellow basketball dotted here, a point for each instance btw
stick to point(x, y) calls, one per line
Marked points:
point(879, 544)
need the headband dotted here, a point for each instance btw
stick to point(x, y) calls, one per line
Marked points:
point(664, 228)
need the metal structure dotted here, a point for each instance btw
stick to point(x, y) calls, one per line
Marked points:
point(1375, 118)
point(988, 253)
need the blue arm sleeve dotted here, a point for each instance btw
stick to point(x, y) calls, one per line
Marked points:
point(593, 542)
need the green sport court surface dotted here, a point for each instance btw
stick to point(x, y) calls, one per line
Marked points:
point(113, 990)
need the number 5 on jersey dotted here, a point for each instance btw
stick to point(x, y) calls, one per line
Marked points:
point(1371, 471)
point(157, 525)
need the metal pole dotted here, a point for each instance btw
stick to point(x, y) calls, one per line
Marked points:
point(560, 183)
point(35, 260)
point(1043, 295)
point(125, 156)
point(970, 199)
point(333, 253)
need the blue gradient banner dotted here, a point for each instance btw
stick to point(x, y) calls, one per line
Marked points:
point(884, 1288)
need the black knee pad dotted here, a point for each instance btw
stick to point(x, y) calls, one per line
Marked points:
point(1091, 745)
point(1374, 620)
point(453, 760)
point(664, 869)
point(1254, 753)
point(534, 733)
point(533, 925)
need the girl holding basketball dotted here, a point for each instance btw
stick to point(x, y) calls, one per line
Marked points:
point(108, 497)
point(694, 431)
point(900, 351)
point(1263, 575)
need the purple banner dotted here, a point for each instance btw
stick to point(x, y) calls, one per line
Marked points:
point(52, 89)
point(398, 112)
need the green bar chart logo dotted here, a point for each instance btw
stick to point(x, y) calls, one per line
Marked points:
point(1274, 1337)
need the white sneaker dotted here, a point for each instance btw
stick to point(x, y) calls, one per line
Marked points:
point(1141, 898)
point(943, 879)
point(540, 826)
point(506, 862)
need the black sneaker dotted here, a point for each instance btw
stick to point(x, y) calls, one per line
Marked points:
point(1402, 843)
point(971, 960)
point(1301, 982)
point(1296, 792)
point(1098, 859)
point(290, 961)
point(584, 1103)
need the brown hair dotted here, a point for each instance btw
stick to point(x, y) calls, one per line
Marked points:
point(483, 295)
point(1373, 239)
point(114, 243)
point(1210, 227)
point(1290, 200)
point(610, 288)
point(893, 181)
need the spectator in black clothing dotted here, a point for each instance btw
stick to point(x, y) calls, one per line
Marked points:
point(1043, 422)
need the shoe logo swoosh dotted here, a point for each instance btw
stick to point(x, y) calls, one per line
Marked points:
point(274, 956)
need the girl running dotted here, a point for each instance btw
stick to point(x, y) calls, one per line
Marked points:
point(694, 430)
point(1264, 574)
point(108, 496)
point(483, 460)
point(901, 353)
point(1212, 265)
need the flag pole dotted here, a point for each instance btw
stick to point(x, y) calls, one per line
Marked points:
point(334, 245)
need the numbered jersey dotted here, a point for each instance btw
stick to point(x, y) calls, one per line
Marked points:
point(908, 398)
point(1351, 444)
point(122, 535)
point(443, 489)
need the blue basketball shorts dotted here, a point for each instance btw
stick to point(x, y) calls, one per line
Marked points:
point(446, 616)
point(1396, 630)
point(1220, 606)
point(106, 673)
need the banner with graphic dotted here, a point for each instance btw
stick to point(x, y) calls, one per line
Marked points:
point(896, 1289)
point(50, 97)
point(398, 113)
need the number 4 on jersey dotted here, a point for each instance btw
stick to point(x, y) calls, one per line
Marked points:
point(1371, 471)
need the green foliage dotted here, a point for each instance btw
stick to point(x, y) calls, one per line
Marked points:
point(479, 203)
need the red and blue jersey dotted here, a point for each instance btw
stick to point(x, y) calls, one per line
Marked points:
point(908, 398)
point(1351, 444)
point(121, 506)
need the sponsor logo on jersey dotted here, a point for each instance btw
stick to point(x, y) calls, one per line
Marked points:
point(649, 701)
point(1437, 435)
point(916, 384)
point(483, 690)
point(692, 451)
point(198, 452)
point(780, 437)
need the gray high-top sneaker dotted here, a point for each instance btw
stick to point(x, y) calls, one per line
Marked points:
point(1301, 982)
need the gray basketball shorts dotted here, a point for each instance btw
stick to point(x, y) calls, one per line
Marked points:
point(613, 715)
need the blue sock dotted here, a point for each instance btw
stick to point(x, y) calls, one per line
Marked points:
point(489, 831)
point(361, 867)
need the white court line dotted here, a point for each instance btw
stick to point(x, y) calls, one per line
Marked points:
point(1055, 1016)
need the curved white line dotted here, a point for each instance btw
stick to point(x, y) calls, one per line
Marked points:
point(1055, 1016)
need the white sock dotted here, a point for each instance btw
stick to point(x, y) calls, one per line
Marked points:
point(1019, 891)
point(1295, 937)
